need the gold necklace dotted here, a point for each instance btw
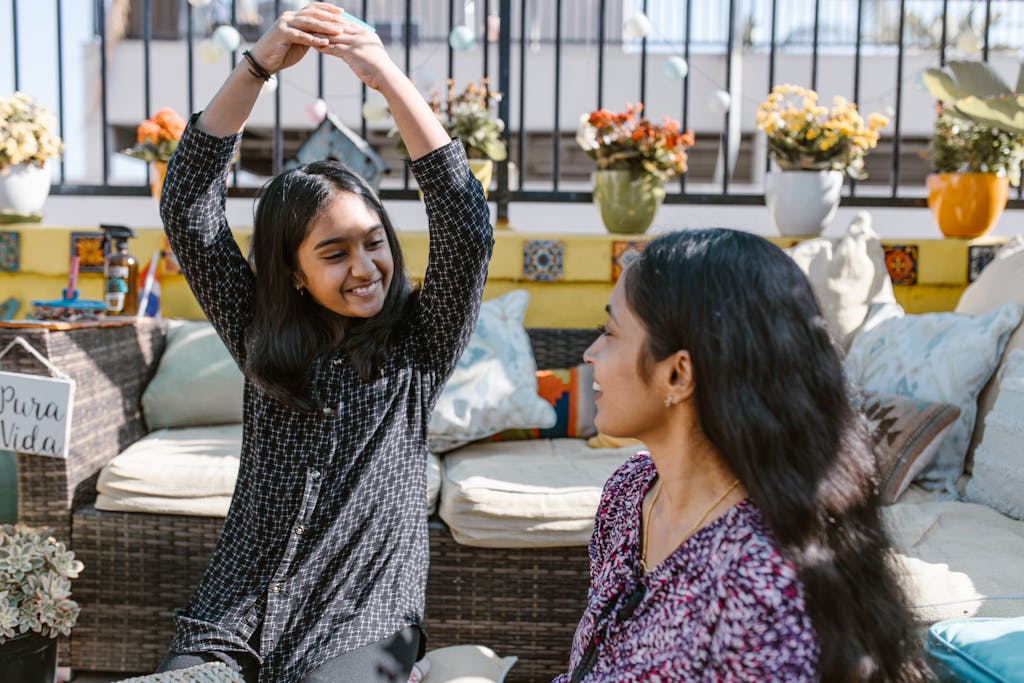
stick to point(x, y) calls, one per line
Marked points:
point(650, 509)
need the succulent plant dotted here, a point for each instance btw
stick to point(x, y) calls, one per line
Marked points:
point(978, 93)
point(35, 583)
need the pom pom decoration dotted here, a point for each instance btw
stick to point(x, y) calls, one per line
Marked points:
point(208, 51)
point(675, 68)
point(227, 38)
point(316, 110)
point(461, 38)
point(637, 26)
point(375, 110)
point(720, 102)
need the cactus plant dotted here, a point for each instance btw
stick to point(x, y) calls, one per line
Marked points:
point(978, 93)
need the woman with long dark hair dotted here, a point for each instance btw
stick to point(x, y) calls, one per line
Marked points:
point(747, 543)
point(320, 571)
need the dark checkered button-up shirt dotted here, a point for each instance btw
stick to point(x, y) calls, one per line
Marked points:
point(325, 545)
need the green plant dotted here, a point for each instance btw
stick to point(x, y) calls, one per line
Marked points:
point(26, 132)
point(467, 116)
point(804, 135)
point(35, 583)
point(976, 91)
point(961, 145)
point(625, 141)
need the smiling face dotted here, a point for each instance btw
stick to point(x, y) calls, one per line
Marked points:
point(628, 405)
point(345, 260)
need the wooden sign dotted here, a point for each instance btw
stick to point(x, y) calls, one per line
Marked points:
point(35, 414)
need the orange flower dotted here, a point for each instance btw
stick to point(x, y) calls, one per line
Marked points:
point(148, 131)
point(170, 122)
point(157, 137)
point(624, 140)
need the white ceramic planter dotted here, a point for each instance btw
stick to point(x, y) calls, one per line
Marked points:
point(24, 189)
point(802, 203)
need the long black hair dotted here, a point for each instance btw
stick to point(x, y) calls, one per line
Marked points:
point(289, 330)
point(771, 398)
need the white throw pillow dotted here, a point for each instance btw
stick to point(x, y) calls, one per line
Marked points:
point(467, 664)
point(944, 357)
point(1001, 281)
point(998, 479)
point(197, 382)
point(847, 275)
point(494, 385)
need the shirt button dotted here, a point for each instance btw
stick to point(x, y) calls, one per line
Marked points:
point(299, 529)
point(315, 474)
point(276, 588)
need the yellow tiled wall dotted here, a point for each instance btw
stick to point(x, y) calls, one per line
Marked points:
point(935, 270)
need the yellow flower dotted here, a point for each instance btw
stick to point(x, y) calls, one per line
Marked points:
point(26, 132)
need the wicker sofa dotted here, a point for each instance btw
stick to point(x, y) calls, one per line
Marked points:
point(140, 567)
point(957, 558)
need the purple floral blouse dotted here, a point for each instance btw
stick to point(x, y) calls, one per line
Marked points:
point(725, 606)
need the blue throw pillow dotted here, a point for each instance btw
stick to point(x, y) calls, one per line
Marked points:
point(980, 650)
point(940, 358)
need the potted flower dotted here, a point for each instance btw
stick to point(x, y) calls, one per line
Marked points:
point(812, 146)
point(156, 138)
point(467, 115)
point(27, 141)
point(977, 148)
point(634, 159)
point(974, 166)
point(35, 604)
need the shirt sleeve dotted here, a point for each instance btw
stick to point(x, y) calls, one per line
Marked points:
point(192, 207)
point(764, 632)
point(461, 242)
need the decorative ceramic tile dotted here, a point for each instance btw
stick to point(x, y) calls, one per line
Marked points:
point(10, 251)
point(88, 246)
point(901, 262)
point(543, 260)
point(979, 256)
point(624, 253)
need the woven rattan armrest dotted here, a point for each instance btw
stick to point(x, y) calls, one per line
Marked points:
point(111, 365)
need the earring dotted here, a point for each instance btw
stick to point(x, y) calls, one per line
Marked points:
point(300, 290)
point(668, 401)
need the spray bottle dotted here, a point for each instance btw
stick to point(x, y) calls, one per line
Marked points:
point(120, 271)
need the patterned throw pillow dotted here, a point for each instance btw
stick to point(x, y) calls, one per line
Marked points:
point(570, 391)
point(494, 385)
point(938, 357)
point(906, 434)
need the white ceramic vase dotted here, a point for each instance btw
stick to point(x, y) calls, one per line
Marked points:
point(24, 189)
point(802, 203)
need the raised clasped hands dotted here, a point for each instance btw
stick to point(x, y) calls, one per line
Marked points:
point(321, 26)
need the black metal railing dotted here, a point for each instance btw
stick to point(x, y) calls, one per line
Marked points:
point(573, 55)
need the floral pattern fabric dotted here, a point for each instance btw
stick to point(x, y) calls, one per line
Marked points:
point(724, 606)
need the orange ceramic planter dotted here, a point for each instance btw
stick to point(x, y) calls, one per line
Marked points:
point(966, 205)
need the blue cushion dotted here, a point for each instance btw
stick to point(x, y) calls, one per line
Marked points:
point(989, 650)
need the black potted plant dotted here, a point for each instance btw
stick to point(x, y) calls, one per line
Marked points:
point(35, 602)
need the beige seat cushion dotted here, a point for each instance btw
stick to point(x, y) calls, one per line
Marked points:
point(958, 559)
point(517, 494)
point(188, 471)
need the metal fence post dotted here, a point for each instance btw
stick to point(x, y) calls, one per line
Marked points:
point(504, 106)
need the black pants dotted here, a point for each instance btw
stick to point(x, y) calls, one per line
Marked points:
point(386, 661)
